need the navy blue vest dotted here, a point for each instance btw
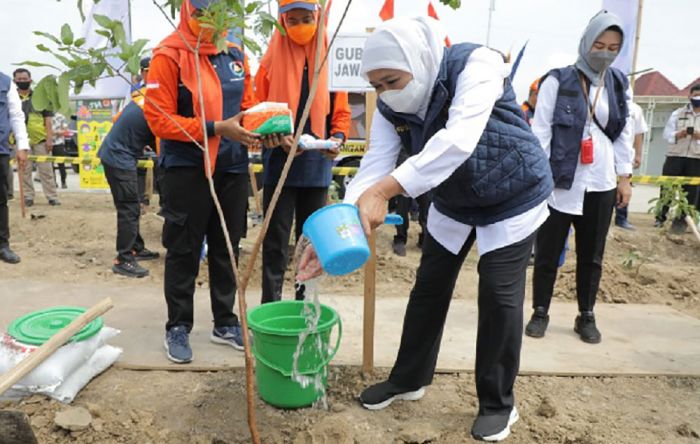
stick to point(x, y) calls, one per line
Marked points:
point(124, 143)
point(506, 175)
point(232, 157)
point(5, 127)
point(570, 115)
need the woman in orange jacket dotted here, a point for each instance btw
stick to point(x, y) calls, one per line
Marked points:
point(285, 75)
point(174, 114)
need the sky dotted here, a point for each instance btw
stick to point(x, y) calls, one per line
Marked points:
point(668, 39)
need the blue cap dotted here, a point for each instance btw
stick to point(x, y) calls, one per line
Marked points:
point(203, 4)
point(145, 62)
point(298, 5)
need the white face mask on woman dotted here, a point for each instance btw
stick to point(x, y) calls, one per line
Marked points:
point(407, 100)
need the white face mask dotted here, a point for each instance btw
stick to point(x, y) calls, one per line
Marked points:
point(407, 100)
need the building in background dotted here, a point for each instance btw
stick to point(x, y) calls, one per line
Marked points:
point(658, 97)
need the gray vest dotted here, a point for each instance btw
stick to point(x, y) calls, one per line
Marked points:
point(686, 147)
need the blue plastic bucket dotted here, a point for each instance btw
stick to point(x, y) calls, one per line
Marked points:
point(336, 233)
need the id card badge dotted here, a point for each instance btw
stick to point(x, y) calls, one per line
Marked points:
point(587, 151)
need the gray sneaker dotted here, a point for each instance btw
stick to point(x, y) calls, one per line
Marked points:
point(494, 428)
point(231, 335)
point(177, 345)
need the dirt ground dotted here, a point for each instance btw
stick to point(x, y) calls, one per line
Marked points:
point(74, 244)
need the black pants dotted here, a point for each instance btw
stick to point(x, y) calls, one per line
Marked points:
point(190, 215)
point(402, 206)
point(124, 187)
point(60, 150)
point(500, 324)
point(4, 211)
point(591, 230)
point(683, 166)
point(295, 203)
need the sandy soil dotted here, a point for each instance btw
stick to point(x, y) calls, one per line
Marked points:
point(74, 243)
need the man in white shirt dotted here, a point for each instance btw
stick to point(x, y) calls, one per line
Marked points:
point(11, 120)
point(640, 128)
point(683, 157)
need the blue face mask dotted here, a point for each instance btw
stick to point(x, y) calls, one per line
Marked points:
point(695, 101)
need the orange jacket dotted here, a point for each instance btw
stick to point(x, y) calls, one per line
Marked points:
point(161, 107)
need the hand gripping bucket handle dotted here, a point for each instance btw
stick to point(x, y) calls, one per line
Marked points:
point(306, 372)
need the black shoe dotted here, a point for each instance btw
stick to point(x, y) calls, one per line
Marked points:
point(129, 269)
point(586, 329)
point(399, 248)
point(299, 291)
point(54, 202)
point(145, 255)
point(658, 223)
point(10, 196)
point(9, 256)
point(538, 323)
point(380, 395)
point(64, 186)
point(494, 428)
point(678, 226)
point(28, 203)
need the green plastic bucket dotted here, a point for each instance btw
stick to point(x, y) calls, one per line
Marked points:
point(39, 326)
point(276, 327)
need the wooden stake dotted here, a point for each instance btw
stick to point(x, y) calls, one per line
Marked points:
point(636, 42)
point(371, 266)
point(256, 192)
point(149, 185)
point(368, 315)
point(48, 348)
point(20, 173)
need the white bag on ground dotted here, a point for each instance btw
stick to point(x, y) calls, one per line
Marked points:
point(103, 358)
point(55, 370)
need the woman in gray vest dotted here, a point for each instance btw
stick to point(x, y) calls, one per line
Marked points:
point(582, 124)
point(454, 109)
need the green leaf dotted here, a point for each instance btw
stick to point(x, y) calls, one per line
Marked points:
point(63, 91)
point(134, 65)
point(48, 36)
point(137, 47)
point(103, 21)
point(66, 34)
point(43, 93)
point(79, 42)
point(103, 33)
point(42, 48)
point(36, 64)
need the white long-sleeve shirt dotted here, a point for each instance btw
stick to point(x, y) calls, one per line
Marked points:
point(19, 128)
point(479, 86)
point(609, 158)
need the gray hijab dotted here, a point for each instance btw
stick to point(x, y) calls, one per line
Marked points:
point(598, 24)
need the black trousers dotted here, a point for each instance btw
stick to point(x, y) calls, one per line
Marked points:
point(591, 231)
point(295, 203)
point(402, 206)
point(683, 166)
point(123, 185)
point(60, 150)
point(190, 215)
point(500, 324)
point(4, 211)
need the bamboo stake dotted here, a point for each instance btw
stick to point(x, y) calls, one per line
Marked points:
point(49, 347)
point(636, 43)
point(20, 173)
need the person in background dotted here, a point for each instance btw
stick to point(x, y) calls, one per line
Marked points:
point(455, 110)
point(173, 112)
point(119, 153)
point(583, 124)
point(682, 132)
point(640, 128)
point(11, 121)
point(60, 125)
point(141, 80)
point(401, 205)
point(285, 75)
point(40, 128)
point(529, 105)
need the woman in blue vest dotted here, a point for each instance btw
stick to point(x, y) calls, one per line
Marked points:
point(582, 124)
point(455, 110)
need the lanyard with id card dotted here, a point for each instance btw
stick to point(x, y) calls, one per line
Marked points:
point(587, 143)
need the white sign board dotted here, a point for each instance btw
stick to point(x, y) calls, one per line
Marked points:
point(345, 61)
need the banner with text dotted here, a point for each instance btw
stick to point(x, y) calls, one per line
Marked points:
point(344, 64)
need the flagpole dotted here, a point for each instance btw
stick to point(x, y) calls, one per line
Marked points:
point(492, 7)
point(636, 42)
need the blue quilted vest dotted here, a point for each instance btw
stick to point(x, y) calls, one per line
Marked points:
point(5, 128)
point(570, 115)
point(508, 172)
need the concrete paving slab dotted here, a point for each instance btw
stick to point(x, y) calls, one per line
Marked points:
point(637, 339)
